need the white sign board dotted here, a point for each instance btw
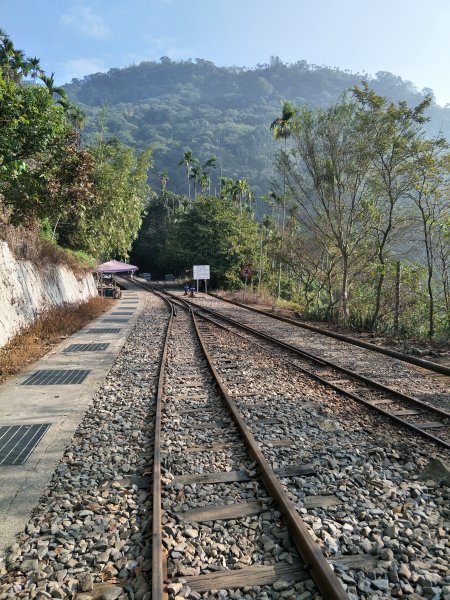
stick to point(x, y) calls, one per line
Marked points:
point(201, 272)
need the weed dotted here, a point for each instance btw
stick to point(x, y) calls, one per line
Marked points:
point(32, 243)
point(48, 329)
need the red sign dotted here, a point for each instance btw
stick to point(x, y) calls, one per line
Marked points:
point(246, 272)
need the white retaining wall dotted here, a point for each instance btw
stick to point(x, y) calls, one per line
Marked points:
point(25, 291)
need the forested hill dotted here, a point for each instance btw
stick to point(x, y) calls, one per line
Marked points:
point(220, 111)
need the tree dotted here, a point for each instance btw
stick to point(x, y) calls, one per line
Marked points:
point(326, 175)
point(49, 82)
point(109, 226)
point(187, 161)
point(211, 163)
point(430, 197)
point(394, 132)
point(32, 129)
point(148, 249)
point(196, 173)
point(213, 232)
point(281, 128)
point(237, 191)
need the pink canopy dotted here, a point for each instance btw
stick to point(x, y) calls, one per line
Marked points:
point(115, 266)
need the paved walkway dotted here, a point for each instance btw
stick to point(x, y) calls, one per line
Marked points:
point(60, 405)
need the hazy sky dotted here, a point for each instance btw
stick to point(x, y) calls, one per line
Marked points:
point(74, 38)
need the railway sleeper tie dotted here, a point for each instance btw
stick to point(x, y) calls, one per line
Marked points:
point(242, 475)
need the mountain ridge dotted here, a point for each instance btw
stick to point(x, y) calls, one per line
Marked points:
point(220, 111)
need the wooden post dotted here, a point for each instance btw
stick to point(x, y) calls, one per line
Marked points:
point(397, 298)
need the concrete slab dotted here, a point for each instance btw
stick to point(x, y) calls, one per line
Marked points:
point(63, 406)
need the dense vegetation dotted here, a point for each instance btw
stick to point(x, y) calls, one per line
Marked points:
point(361, 210)
point(355, 220)
point(88, 198)
point(219, 111)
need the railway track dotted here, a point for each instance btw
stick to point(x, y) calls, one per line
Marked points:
point(373, 497)
point(194, 413)
point(421, 416)
point(424, 364)
point(280, 449)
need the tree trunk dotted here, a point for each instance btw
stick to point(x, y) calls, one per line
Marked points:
point(431, 304)
point(260, 261)
point(397, 299)
point(345, 312)
point(379, 289)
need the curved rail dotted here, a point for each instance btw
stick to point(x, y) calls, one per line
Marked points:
point(325, 362)
point(315, 562)
point(366, 380)
point(158, 557)
point(419, 362)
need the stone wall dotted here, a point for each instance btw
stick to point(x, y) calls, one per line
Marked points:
point(26, 290)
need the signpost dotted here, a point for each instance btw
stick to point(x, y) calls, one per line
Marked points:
point(202, 272)
point(246, 273)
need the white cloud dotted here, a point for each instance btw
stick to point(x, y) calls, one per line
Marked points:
point(85, 20)
point(79, 67)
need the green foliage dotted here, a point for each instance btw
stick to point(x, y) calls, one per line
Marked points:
point(149, 249)
point(44, 174)
point(110, 224)
point(89, 199)
point(212, 232)
point(220, 111)
point(30, 127)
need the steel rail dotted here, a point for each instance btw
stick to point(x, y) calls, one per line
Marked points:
point(366, 380)
point(315, 562)
point(320, 570)
point(419, 362)
point(313, 358)
point(336, 387)
point(158, 556)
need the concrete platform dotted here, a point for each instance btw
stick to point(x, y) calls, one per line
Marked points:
point(63, 406)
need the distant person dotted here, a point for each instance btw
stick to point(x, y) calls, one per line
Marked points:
point(186, 288)
point(192, 290)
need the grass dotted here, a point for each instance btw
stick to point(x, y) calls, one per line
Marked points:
point(264, 299)
point(33, 244)
point(52, 326)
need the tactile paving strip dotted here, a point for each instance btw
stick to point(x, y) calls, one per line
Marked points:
point(115, 320)
point(105, 330)
point(94, 347)
point(57, 377)
point(17, 442)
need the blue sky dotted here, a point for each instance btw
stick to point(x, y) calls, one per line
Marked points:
point(74, 38)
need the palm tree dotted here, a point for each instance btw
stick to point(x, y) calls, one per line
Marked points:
point(7, 51)
point(243, 192)
point(282, 129)
point(187, 160)
point(211, 163)
point(49, 82)
point(74, 113)
point(196, 173)
point(35, 67)
point(205, 183)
